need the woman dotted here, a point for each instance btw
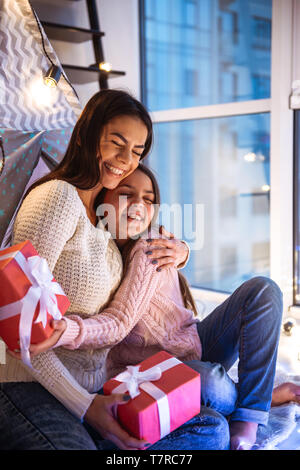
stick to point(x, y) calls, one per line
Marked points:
point(150, 313)
point(44, 407)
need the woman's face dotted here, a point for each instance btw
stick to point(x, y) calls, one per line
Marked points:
point(129, 208)
point(121, 146)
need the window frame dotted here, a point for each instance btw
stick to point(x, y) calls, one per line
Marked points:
point(283, 65)
point(296, 240)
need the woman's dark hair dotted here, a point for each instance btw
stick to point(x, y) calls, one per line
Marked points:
point(188, 299)
point(80, 165)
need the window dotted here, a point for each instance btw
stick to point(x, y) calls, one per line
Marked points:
point(201, 167)
point(297, 208)
point(206, 154)
point(222, 48)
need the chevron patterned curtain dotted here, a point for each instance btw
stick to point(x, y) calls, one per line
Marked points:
point(35, 132)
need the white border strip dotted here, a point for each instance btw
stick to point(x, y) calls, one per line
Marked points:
point(213, 111)
point(281, 151)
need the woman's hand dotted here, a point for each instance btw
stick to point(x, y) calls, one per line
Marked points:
point(167, 253)
point(101, 416)
point(59, 327)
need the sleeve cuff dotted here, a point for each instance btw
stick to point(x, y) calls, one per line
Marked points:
point(183, 265)
point(70, 333)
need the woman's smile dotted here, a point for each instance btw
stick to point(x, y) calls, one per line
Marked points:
point(114, 171)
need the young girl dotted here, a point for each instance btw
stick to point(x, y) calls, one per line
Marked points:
point(152, 312)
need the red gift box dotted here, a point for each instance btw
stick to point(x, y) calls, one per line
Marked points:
point(15, 284)
point(178, 391)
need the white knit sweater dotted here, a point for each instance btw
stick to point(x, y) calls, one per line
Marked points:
point(86, 262)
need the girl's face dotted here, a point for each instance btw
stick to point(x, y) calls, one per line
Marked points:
point(129, 208)
point(121, 146)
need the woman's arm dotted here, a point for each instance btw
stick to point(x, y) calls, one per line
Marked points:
point(168, 251)
point(48, 218)
point(116, 321)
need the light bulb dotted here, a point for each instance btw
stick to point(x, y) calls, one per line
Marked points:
point(50, 82)
point(41, 94)
point(52, 76)
point(105, 66)
point(250, 157)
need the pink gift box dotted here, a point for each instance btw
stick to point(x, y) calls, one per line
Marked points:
point(179, 391)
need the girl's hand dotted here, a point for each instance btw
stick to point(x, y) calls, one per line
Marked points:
point(167, 253)
point(34, 349)
point(101, 416)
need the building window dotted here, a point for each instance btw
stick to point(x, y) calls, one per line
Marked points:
point(190, 13)
point(262, 32)
point(228, 261)
point(261, 85)
point(191, 82)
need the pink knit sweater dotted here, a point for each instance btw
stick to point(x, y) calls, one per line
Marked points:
point(146, 315)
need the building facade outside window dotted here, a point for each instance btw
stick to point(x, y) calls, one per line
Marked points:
point(203, 58)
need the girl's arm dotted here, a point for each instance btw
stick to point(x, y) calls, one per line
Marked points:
point(115, 322)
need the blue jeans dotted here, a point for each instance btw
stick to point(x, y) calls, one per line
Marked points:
point(246, 327)
point(32, 419)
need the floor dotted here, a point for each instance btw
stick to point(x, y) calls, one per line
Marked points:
point(293, 442)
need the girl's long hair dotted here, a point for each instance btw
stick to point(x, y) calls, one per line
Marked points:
point(80, 165)
point(187, 296)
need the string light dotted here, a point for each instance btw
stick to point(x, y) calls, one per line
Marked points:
point(265, 188)
point(41, 94)
point(52, 76)
point(47, 55)
point(106, 66)
point(250, 157)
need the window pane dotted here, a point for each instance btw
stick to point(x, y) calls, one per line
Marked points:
point(217, 171)
point(201, 52)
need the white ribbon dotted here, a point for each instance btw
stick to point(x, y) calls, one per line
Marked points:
point(42, 290)
point(133, 380)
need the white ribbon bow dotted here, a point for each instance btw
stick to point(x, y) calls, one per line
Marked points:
point(42, 290)
point(132, 378)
